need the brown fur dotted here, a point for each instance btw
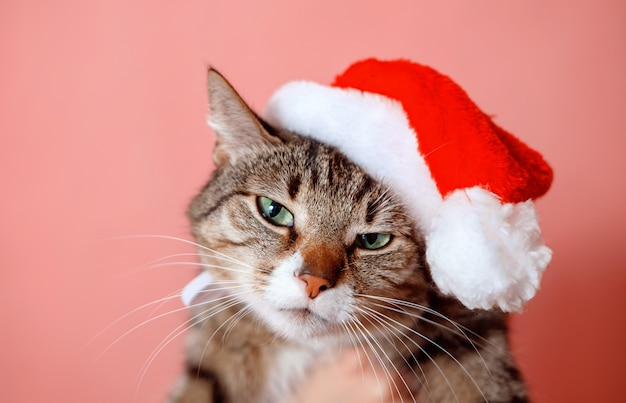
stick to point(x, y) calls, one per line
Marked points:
point(382, 302)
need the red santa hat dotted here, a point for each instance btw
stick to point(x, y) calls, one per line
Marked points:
point(468, 183)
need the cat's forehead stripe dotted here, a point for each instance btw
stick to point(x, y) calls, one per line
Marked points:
point(293, 186)
point(364, 187)
point(312, 152)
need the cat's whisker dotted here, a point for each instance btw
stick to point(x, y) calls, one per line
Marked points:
point(227, 302)
point(163, 261)
point(224, 281)
point(381, 318)
point(145, 322)
point(358, 344)
point(399, 305)
point(173, 296)
point(382, 325)
point(179, 330)
point(351, 336)
point(429, 340)
point(406, 346)
point(134, 328)
point(225, 268)
point(221, 285)
point(351, 325)
point(214, 289)
point(351, 341)
point(375, 347)
point(246, 309)
point(234, 320)
point(402, 330)
point(188, 242)
point(396, 334)
point(149, 265)
point(395, 307)
point(223, 257)
point(196, 265)
point(227, 297)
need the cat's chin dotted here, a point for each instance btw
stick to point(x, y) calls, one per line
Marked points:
point(299, 325)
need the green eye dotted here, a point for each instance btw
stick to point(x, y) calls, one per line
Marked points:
point(274, 212)
point(372, 241)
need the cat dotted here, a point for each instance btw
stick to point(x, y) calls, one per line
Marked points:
point(310, 255)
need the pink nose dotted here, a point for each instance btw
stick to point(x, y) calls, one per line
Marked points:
point(314, 285)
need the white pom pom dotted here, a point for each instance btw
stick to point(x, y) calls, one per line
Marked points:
point(485, 253)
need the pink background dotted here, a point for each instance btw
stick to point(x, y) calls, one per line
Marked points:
point(102, 109)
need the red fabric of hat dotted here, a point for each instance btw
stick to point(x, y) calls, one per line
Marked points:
point(450, 127)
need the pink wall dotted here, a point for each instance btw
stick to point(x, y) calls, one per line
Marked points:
point(102, 135)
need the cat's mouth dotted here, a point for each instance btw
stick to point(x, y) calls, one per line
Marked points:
point(301, 314)
point(305, 312)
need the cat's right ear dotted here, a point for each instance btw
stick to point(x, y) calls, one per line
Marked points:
point(237, 128)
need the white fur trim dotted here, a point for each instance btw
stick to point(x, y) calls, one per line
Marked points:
point(486, 253)
point(195, 287)
point(360, 124)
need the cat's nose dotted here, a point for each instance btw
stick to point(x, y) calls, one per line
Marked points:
point(314, 284)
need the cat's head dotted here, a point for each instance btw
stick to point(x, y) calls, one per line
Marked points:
point(303, 236)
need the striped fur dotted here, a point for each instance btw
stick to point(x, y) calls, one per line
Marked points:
point(257, 334)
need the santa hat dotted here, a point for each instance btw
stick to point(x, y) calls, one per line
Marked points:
point(468, 183)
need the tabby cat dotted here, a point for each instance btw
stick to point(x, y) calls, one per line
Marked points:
point(310, 255)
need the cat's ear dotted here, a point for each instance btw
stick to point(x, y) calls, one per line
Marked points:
point(237, 128)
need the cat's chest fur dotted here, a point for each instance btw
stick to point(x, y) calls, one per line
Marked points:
point(249, 358)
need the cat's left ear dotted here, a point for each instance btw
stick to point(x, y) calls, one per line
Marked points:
point(237, 128)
